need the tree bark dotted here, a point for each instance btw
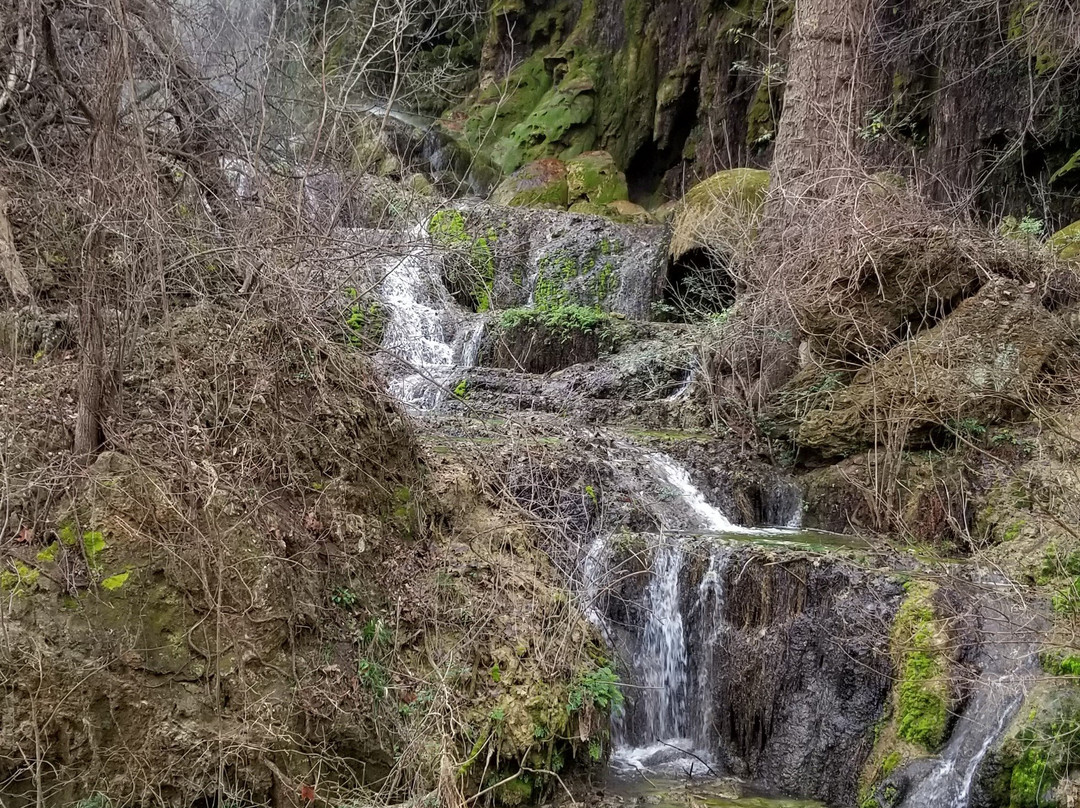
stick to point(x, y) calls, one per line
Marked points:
point(94, 293)
point(823, 102)
point(9, 257)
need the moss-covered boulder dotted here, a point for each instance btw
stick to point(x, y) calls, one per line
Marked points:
point(594, 177)
point(973, 368)
point(1066, 242)
point(540, 184)
point(721, 212)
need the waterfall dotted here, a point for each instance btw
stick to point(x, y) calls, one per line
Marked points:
point(677, 477)
point(671, 729)
point(429, 338)
point(663, 649)
point(949, 784)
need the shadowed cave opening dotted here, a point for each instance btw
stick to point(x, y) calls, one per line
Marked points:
point(646, 169)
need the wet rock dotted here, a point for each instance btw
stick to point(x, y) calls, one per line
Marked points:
point(548, 259)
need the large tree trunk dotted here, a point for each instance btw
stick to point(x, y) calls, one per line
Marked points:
point(814, 160)
point(823, 104)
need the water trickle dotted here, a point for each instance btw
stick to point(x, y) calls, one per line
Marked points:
point(683, 389)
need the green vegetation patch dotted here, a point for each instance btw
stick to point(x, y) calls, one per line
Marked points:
point(922, 691)
point(469, 271)
point(1042, 751)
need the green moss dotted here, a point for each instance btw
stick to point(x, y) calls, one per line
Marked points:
point(1060, 663)
point(1066, 242)
point(48, 555)
point(1033, 761)
point(365, 322)
point(470, 274)
point(595, 177)
point(114, 582)
point(18, 578)
point(761, 118)
point(515, 792)
point(562, 321)
point(922, 690)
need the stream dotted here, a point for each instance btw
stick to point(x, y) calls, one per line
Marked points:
point(755, 659)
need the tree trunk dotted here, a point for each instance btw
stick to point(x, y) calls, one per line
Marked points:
point(822, 103)
point(9, 258)
point(94, 292)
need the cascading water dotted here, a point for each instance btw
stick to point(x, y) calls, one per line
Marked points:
point(666, 736)
point(429, 337)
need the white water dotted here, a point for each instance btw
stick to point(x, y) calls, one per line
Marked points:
point(983, 723)
point(663, 648)
point(684, 388)
point(672, 728)
point(677, 477)
point(425, 330)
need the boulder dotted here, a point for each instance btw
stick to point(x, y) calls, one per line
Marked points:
point(540, 184)
point(720, 212)
point(548, 259)
point(971, 369)
point(1066, 242)
point(594, 177)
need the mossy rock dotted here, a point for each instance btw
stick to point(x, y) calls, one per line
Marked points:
point(1066, 242)
point(557, 126)
point(594, 177)
point(720, 212)
point(540, 184)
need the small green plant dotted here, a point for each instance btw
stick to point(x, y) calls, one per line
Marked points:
point(596, 751)
point(95, 800)
point(1060, 663)
point(969, 428)
point(497, 714)
point(1027, 228)
point(461, 390)
point(373, 676)
point(598, 688)
point(874, 128)
point(1066, 601)
point(590, 492)
point(344, 597)
point(496, 673)
point(376, 632)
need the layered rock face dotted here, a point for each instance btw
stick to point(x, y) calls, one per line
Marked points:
point(676, 91)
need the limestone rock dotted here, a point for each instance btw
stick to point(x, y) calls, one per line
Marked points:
point(720, 212)
point(1066, 242)
point(541, 184)
point(978, 364)
point(593, 176)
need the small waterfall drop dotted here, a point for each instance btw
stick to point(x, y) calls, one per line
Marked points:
point(429, 337)
point(677, 477)
point(949, 784)
point(671, 728)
